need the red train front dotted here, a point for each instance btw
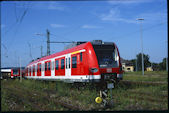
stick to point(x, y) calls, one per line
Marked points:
point(15, 73)
point(80, 62)
point(108, 59)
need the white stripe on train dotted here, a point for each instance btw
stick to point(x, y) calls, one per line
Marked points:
point(77, 78)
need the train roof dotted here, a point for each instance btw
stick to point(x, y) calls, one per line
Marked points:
point(81, 46)
point(5, 70)
point(73, 47)
point(93, 42)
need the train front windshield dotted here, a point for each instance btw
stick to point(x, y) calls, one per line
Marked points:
point(15, 72)
point(107, 55)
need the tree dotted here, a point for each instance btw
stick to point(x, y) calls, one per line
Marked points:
point(162, 65)
point(134, 63)
point(139, 61)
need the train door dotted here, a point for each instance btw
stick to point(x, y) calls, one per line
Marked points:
point(68, 65)
point(30, 70)
point(39, 69)
point(48, 68)
point(33, 70)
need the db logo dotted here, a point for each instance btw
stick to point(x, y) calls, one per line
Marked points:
point(109, 70)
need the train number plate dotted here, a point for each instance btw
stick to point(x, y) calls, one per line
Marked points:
point(109, 70)
point(110, 85)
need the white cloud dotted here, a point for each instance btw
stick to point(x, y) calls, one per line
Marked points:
point(57, 25)
point(128, 2)
point(115, 15)
point(56, 6)
point(90, 27)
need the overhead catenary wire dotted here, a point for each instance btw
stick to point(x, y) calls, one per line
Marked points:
point(18, 19)
point(18, 23)
point(61, 37)
point(16, 13)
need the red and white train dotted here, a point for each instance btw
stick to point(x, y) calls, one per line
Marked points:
point(11, 73)
point(85, 62)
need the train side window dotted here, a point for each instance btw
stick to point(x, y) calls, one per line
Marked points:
point(35, 68)
point(62, 63)
point(81, 56)
point(48, 65)
point(26, 71)
point(57, 64)
point(69, 62)
point(74, 62)
point(66, 63)
point(40, 67)
point(32, 69)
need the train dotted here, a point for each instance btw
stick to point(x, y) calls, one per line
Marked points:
point(88, 61)
point(12, 72)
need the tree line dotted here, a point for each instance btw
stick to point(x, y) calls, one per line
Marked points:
point(137, 63)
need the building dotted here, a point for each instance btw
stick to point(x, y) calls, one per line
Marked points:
point(149, 69)
point(127, 68)
point(127, 65)
point(5, 73)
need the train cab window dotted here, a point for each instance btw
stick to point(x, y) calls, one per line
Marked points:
point(48, 65)
point(107, 55)
point(57, 64)
point(81, 56)
point(15, 72)
point(62, 64)
point(74, 62)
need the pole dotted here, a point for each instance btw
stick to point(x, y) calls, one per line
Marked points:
point(167, 58)
point(141, 44)
point(48, 42)
point(41, 51)
point(20, 70)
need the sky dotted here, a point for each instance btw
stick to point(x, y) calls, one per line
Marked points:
point(24, 25)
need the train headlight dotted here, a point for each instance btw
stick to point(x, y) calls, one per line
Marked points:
point(94, 70)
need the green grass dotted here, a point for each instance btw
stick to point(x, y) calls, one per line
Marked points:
point(149, 76)
point(36, 95)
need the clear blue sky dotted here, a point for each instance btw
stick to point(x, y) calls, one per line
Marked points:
point(113, 21)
